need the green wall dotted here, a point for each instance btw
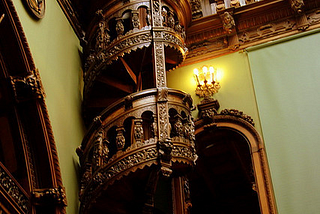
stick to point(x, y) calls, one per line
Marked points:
point(55, 49)
point(236, 90)
point(286, 78)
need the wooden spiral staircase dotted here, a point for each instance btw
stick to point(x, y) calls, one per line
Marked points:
point(140, 133)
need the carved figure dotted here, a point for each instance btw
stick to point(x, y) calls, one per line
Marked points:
point(164, 14)
point(138, 130)
point(120, 139)
point(97, 150)
point(170, 22)
point(105, 152)
point(165, 149)
point(196, 9)
point(228, 22)
point(135, 20)
point(178, 127)
point(119, 27)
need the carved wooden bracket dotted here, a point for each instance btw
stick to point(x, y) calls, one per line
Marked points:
point(49, 196)
point(208, 109)
point(297, 5)
point(28, 87)
point(165, 155)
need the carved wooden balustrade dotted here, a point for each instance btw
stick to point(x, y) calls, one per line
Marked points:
point(125, 137)
point(126, 29)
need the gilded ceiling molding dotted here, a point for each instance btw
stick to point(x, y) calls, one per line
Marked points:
point(253, 24)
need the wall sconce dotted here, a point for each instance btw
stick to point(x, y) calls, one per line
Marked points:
point(207, 81)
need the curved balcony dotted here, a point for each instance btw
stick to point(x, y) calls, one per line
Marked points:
point(126, 28)
point(126, 137)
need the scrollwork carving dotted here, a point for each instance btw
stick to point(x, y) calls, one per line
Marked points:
point(165, 155)
point(189, 130)
point(156, 13)
point(130, 161)
point(160, 64)
point(86, 177)
point(120, 139)
point(138, 130)
point(28, 87)
point(163, 94)
point(135, 20)
point(13, 190)
point(163, 121)
point(184, 152)
point(50, 196)
point(237, 113)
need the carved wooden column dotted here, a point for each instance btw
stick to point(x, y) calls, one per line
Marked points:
point(159, 67)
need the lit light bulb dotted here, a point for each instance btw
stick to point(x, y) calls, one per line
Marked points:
point(212, 76)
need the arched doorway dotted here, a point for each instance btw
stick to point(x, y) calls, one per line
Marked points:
point(231, 174)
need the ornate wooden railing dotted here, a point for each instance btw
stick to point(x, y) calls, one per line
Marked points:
point(128, 28)
point(125, 137)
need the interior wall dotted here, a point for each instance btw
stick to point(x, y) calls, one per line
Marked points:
point(56, 52)
point(286, 79)
point(236, 90)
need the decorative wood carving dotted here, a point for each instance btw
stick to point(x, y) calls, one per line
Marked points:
point(236, 121)
point(297, 5)
point(19, 68)
point(196, 9)
point(28, 87)
point(13, 190)
point(160, 151)
point(237, 113)
point(254, 24)
point(228, 22)
point(36, 7)
point(49, 196)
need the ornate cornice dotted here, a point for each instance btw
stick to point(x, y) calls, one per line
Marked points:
point(256, 23)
